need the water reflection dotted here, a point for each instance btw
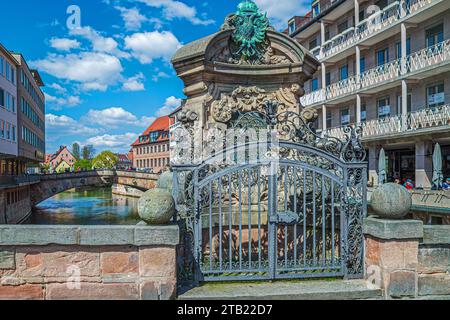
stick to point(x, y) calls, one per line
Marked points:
point(87, 207)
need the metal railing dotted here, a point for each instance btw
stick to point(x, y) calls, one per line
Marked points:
point(425, 118)
point(415, 62)
point(19, 179)
point(379, 20)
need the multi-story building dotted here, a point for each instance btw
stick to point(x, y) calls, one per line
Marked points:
point(22, 131)
point(31, 113)
point(151, 150)
point(123, 162)
point(8, 113)
point(386, 66)
point(61, 161)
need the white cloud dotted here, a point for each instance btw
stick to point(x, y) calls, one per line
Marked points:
point(176, 9)
point(113, 142)
point(66, 126)
point(159, 75)
point(148, 46)
point(57, 103)
point(64, 44)
point(281, 11)
point(57, 87)
point(99, 42)
point(132, 17)
point(93, 70)
point(134, 83)
point(114, 118)
point(169, 106)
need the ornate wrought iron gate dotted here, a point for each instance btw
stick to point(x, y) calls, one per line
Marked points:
point(294, 211)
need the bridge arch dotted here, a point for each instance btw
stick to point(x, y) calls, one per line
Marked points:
point(51, 185)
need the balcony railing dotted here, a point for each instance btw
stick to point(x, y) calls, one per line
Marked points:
point(415, 62)
point(379, 20)
point(418, 120)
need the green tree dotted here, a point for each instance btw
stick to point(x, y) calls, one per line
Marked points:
point(105, 160)
point(76, 150)
point(88, 152)
point(83, 164)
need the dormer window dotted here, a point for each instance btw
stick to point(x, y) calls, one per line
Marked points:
point(292, 26)
point(316, 9)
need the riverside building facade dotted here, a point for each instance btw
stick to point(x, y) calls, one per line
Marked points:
point(151, 151)
point(386, 66)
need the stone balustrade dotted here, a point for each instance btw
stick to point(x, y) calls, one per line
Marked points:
point(88, 262)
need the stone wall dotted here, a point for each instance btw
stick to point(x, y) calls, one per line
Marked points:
point(92, 262)
point(408, 259)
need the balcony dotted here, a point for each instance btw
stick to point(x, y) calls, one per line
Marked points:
point(414, 122)
point(413, 64)
point(378, 22)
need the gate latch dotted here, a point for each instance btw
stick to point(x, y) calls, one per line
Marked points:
point(287, 217)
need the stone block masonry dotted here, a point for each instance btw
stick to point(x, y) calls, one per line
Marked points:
point(88, 262)
point(410, 260)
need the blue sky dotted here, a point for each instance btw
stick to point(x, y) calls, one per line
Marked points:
point(107, 81)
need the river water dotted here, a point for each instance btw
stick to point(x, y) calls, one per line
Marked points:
point(86, 207)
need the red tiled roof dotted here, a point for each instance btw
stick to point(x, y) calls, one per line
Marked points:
point(160, 124)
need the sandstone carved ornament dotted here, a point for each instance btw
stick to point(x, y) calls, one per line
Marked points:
point(248, 99)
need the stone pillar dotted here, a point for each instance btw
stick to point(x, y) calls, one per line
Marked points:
point(358, 61)
point(323, 70)
point(404, 105)
point(356, 12)
point(324, 118)
point(391, 255)
point(373, 157)
point(424, 164)
point(358, 109)
point(403, 46)
point(322, 35)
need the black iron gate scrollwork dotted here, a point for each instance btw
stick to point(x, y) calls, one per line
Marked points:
point(295, 210)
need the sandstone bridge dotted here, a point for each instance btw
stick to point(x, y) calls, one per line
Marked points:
point(46, 186)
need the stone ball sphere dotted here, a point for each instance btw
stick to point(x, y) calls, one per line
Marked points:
point(391, 201)
point(165, 181)
point(156, 207)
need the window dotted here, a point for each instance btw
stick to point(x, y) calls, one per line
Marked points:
point(398, 48)
point(329, 119)
point(314, 84)
point(345, 117)
point(2, 129)
point(384, 108)
point(382, 56)
point(399, 104)
point(2, 66)
point(343, 72)
point(292, 27)
point(342, 26)
point(381, 4)
point(363, 113)
point(362, 64)
point(434, 35)
point(328, 78)
point(361, 15)
point(316, 9)
point(2, 97)
point(313, 44)
point(14, 133)
point(435, 95)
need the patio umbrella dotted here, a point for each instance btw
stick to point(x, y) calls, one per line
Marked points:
point(382, 167)
point(437, 167)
